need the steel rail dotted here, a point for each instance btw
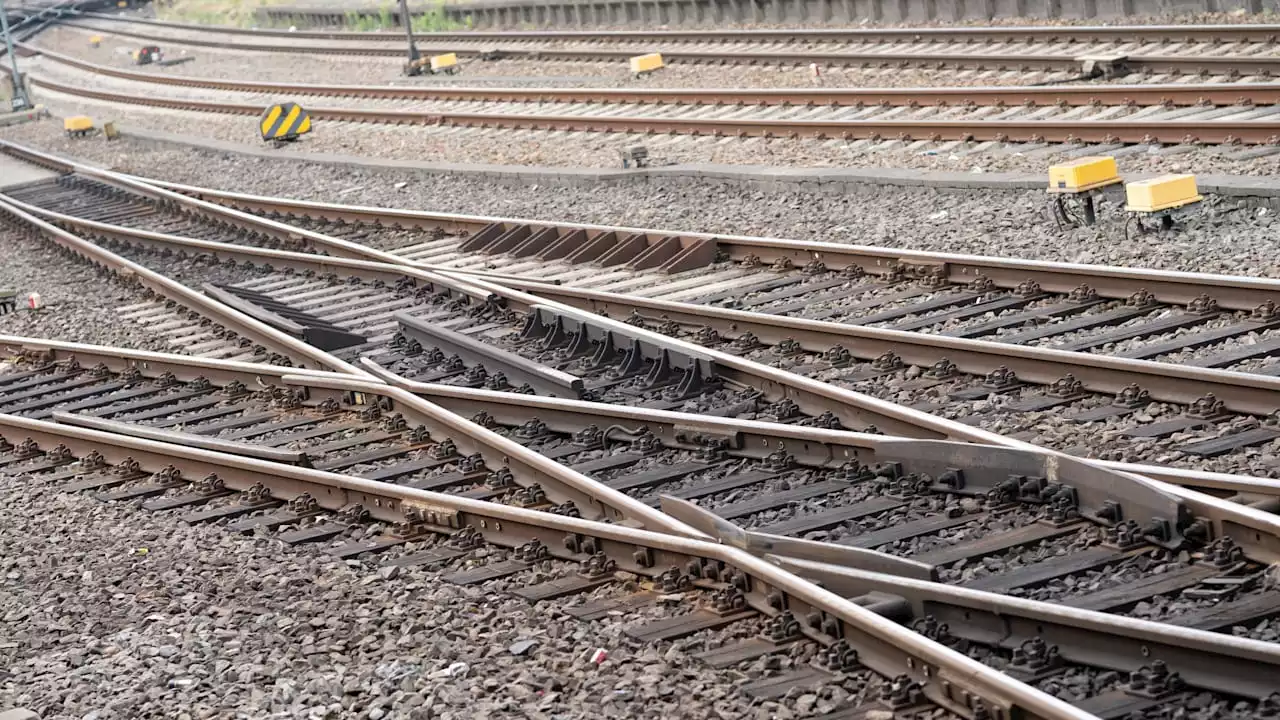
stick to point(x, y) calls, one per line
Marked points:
point(1204, 659)
point(1257, 531)
point(1217, 65)
point(948, 678)
point(286, 234)
point(923, 595)
point(1232, 292)
point(1241, 392)
point(774, 383)
point(1073, 95)
point(1100, 373)
point(816, 396)
point(593, 499)
point(287, 260)
point(749, 438)
point(184, 368)
point(243, 325)
point(1019, 33)
point(1101, 131)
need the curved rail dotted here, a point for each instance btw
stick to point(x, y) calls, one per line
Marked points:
point(243, 325)
point(1194, 65)
point(1179, 94)
point(1101, 131)
point(946, 677)
point(1234, 292)
point(855, 409)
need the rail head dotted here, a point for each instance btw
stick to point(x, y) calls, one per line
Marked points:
point(269, 338)
point(954, 681)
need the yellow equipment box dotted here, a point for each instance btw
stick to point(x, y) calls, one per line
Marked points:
point(646, 63)
point(447, 62)
point(1086, 173)
point(78, 125)
point(95, 40)
point(1162, 193)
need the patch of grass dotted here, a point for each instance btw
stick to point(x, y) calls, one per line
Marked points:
point(236, 13)
point(243, 13)
point(435, 20)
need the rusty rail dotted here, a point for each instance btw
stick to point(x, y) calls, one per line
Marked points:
point(1183, 95)
point(1106, 131)
point(1194, 65)
point(1177, 288)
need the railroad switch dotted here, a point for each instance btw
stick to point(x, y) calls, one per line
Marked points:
point(1167, 198)
point(1081, 181)
point(637, 155)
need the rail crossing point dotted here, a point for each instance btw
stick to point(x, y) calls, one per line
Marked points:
point(1084, 180)
point(78, 126)
point(284, 121)
point(642, 64)
point(1167, 197)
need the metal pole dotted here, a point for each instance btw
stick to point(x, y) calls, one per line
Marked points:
point(408, 30)
point(20, 100)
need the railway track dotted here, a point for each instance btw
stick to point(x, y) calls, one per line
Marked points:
point(827, 403)
point(1203, 414)
point(1163, 50)
point(702, 589)
point(1118, 121)
point(701, 468)
point(295, 419)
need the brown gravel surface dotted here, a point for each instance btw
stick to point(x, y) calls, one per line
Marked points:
point(108, 612)
point(1224, 239)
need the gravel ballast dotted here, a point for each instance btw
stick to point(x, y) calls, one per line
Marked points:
point(598, 149)
point(562, 148)
point(365, 70)
point(80, 301)
point(1225, 239)
point(109, 612)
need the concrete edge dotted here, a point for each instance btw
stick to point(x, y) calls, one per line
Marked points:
point(826, 180)
point(15, 118)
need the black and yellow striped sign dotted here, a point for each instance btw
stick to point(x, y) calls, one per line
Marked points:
point(284, 121)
